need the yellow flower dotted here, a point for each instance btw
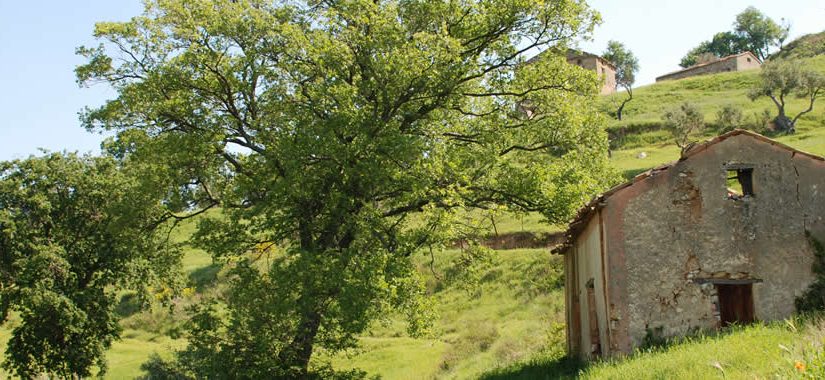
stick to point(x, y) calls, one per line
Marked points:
point(800, 366)
point(188, 292)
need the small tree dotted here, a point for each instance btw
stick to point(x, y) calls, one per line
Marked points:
point(683, 122)
point(781, 79)
point(627, 65)
point(728, 118)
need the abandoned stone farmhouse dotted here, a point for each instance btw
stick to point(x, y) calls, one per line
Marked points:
point(604, 70)
point(736, 62)
point(716, 238)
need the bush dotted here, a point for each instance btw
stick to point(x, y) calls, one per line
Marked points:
point(728, 118)
point(814, 297)
point(683, 122)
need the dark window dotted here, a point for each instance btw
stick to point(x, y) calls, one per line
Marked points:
point(749, 60)
point(740, 183)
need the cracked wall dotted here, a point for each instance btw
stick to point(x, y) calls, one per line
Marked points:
point(673, 232)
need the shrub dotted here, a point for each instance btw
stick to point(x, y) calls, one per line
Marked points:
point(683, 122)
point(728, 118)
point(814, 297)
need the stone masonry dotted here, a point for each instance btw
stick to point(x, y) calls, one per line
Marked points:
point(678, 249)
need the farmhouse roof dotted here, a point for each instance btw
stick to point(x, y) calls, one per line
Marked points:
point(584, 214)
point(573, 53)
point(723, 59)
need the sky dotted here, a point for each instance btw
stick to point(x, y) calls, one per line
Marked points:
point(40, 100)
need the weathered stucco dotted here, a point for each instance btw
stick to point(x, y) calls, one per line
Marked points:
point(669, 239)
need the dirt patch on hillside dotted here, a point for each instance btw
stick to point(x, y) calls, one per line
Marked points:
point(516, 240)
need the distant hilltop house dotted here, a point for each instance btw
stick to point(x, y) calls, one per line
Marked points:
point(716, 238)
point(737, 62)
point(602, 67)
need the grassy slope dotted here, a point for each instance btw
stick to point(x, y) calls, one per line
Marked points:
point(514, 315)
point(515, 311)
point(742, 354)
point(710, 93)
point(757, 351)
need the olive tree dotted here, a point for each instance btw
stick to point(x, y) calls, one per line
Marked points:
point(347, 133)
point(682, 122)
point(780, 80)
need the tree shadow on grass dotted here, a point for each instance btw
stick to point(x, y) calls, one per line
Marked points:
point(129, 304)
point(205, 277)
point(540, 368)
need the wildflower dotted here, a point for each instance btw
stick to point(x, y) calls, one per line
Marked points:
point(187, 292)
point(800, 366)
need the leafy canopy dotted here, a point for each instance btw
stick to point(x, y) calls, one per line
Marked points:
point(682, 122)
point(782, 79)
point(347, 134)
point(73, 231)
point(752, 31)
point(627, 65)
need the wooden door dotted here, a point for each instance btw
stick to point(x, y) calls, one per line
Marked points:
point(735, 303)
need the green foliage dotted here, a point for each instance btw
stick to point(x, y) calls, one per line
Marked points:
point(323, 127)
point(759, 32)
point(781, 79)
point(729, 118)
point(807, 46)
point(752, 31)
point(683, 122)
point(73, 231)
point(723, 44)
point(814, 297)
point(626, 67)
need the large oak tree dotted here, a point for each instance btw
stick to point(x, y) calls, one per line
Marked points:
point(348, 133)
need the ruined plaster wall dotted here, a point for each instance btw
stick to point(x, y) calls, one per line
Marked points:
point(589, 267)
point(682, 227)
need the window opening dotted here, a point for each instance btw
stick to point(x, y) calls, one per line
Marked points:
point(740, 183)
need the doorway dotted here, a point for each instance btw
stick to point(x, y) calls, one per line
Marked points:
point(735, 303)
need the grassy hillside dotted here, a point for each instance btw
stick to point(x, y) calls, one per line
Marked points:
point(641, 129)
point(514, 309)
point(786, 349)
point(508, 322)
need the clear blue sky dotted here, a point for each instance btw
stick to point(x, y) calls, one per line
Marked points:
point(40, 100)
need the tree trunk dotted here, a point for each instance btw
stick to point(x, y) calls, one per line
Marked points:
point(783, 123)
point(299, 352)
point(621, 107)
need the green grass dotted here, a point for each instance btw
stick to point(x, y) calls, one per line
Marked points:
point(757, 351)
point(508, 324)
point(515, 311)
point(642, 120)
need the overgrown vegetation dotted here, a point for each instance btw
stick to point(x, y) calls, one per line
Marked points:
point(780, 80)
point(752, 31)
point(814, 297)
point(683, 122)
